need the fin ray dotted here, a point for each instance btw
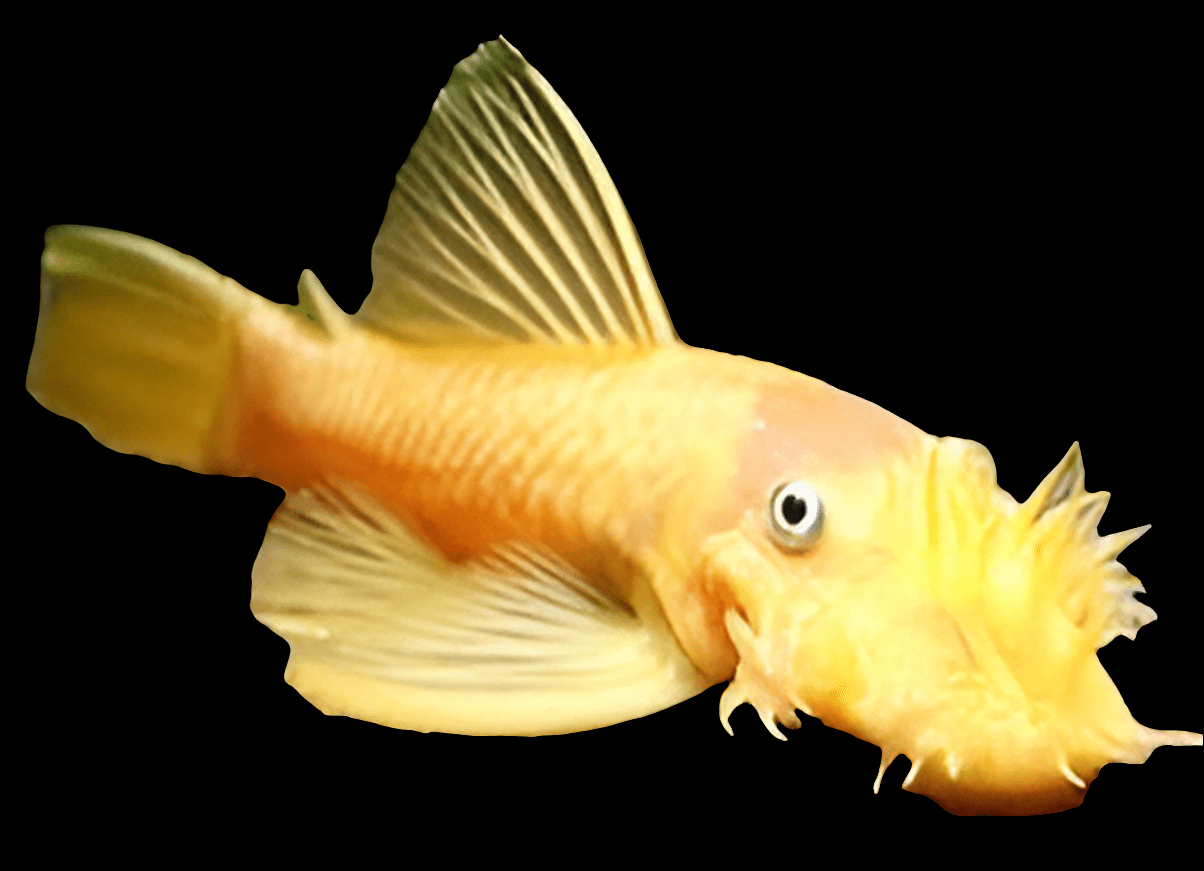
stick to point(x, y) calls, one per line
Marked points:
point(504, 224)
point(135, 341)
point(383, 628)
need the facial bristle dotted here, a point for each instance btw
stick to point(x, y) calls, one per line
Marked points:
point(1064, 767)
point(771, 724)
point(1111, 546)
point(1065, 481)
point(887, 759)
point(731, 699)
point(1091, 509)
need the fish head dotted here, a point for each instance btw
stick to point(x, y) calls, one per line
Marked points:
point(923, 609)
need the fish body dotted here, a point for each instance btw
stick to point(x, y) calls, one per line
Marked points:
point(598, 453)
point(518, 505)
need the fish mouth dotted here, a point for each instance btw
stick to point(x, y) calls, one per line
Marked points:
point(984, 672)
point(973, 653)
point(917, 683)
point(987, 754)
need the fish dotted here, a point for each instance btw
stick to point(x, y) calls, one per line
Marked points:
point(592, 588)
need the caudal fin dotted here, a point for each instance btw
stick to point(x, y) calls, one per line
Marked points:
point(135, 341)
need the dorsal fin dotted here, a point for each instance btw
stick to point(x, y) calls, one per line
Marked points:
point(505, 226)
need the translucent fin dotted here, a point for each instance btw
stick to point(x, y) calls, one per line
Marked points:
point(316, 306)
point(135, 342)
point(504, 224)
point(384, 629)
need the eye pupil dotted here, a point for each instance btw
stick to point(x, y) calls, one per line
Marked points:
point(793, 509)
point(796, 515)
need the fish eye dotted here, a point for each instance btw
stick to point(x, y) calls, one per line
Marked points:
point(796, 515)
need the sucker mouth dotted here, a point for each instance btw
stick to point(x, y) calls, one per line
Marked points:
point(970, 650)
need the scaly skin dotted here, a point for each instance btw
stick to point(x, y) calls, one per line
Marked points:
point(618, 459)
point(935, 616)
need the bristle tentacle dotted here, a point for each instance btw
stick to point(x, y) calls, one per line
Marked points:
point(771, 724)
point(1068, 773)
point(1064, 482)
point(1090, 509)
point(1111, 546)
point(1128, 615)
point(731, 699)
point(887, 758)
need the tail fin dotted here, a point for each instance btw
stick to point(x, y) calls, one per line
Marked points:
point(135, 341)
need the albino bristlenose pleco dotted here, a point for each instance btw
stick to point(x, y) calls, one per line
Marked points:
point(518, 504)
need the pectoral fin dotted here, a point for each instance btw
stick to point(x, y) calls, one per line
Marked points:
point(383, 628)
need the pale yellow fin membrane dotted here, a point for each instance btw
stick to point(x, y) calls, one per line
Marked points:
point(384, 629)
point(504, 224)
point(136, 342)
point(316, 306)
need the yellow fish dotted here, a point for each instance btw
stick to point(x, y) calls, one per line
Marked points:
point(518, 504)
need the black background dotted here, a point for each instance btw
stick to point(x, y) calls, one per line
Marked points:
point(976, 225)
